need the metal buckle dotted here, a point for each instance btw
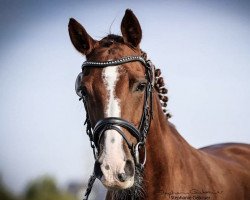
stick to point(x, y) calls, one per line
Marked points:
point(137, 154)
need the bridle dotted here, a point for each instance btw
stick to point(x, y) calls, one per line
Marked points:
point(114, 123)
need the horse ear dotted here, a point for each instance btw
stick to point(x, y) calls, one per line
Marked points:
point(131, 29)
point(81, 40)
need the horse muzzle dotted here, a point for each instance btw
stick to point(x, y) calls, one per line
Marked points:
point(116, 173)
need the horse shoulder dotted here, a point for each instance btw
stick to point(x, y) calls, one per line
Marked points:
point(231, 161)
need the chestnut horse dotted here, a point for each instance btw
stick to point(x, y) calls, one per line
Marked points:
point(124, 99)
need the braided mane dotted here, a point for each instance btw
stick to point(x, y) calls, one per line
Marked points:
point(160, 88)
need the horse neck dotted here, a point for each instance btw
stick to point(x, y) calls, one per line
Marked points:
point(166, 150)
point(163, 138)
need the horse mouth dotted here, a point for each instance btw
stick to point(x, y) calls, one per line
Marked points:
point(113, 184)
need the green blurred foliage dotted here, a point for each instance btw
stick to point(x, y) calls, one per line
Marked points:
point(45, 188)
point(5, 194)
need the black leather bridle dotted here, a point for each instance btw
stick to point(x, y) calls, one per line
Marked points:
point(113, 123)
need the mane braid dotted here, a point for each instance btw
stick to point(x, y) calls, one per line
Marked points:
point(160, 88)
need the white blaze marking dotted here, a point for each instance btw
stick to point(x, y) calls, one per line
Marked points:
point(113, 154)
point(111, 76)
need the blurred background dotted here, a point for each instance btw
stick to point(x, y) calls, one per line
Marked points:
point(202, 48)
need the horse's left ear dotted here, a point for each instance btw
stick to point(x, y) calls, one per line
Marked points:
point(131, 29)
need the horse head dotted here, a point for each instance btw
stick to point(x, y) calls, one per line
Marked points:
point(113, 91)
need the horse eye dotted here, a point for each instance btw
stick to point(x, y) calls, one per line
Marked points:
point(141, 87)
point(83, 91)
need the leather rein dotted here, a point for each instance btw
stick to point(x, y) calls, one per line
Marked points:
point(114, 123)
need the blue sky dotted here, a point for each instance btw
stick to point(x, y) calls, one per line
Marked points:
point(202, 48)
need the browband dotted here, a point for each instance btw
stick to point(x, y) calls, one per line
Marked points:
point(114, 62)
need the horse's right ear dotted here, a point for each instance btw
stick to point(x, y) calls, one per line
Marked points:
point(82, 41)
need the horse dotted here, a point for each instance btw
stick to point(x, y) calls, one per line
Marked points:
point(139, 153)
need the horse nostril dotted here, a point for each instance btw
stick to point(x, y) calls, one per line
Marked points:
point(122, 177)
point(97, 170)
point(128, 171)
point(129, 168)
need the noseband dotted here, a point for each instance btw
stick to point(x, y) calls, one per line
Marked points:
point(114, 123)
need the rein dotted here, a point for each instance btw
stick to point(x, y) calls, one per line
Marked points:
point(114, 123)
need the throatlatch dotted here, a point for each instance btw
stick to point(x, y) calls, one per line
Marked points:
point(113, 123)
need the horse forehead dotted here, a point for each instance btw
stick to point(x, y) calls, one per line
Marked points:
point(117, 76)
point(110, 76)
point(120, 74)
point(111, 72)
